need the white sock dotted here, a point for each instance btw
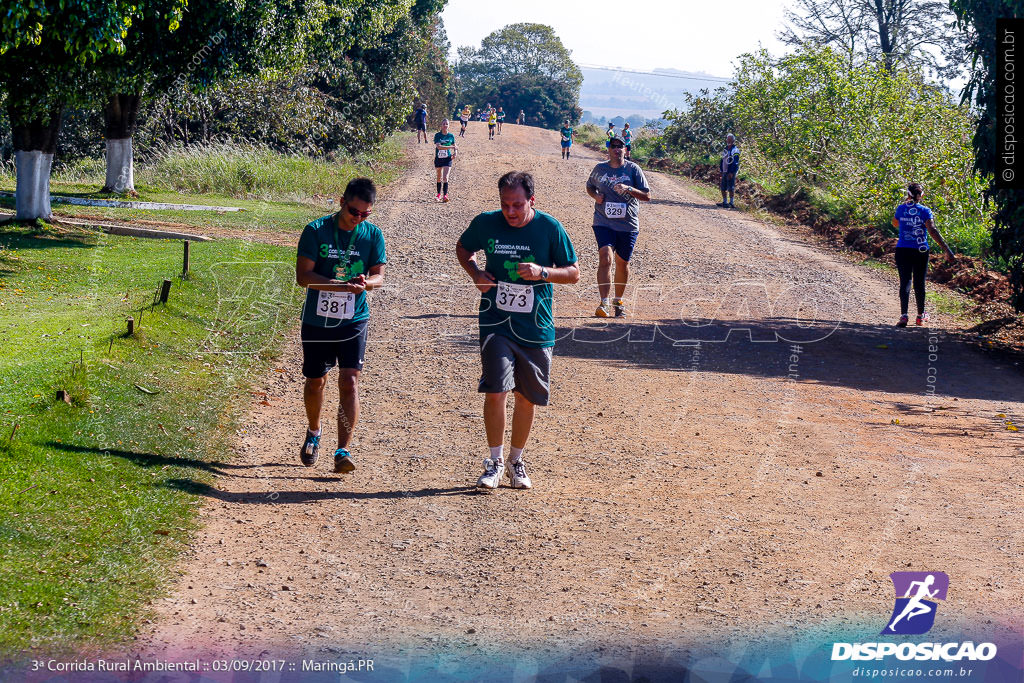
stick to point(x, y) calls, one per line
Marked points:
point(604, 301)
point(496, 453)
point(316, 433)
point(515, 454)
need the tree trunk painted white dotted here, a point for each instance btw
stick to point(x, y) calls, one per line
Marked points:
point(120, 166)
point(32, 191)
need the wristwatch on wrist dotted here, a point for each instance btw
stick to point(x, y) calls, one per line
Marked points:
point(543, 273)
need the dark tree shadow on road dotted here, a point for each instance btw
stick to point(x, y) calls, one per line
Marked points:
point(853, 355)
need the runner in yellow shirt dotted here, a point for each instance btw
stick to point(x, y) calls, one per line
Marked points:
point(492, 122)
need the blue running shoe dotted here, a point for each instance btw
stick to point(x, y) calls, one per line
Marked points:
point(343, 461)
point(310, 450)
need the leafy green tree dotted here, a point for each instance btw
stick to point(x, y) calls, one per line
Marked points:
point(1008, 234)
point(520, 59)
point(367, 72)
point(47, 51)
point(211, 41)
point(859, 135)
point(546, 104)
point(699, 129)
point(433, 79)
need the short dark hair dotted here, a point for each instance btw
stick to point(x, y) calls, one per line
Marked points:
point(362, 189)
point(516, 179)
point(915, 190)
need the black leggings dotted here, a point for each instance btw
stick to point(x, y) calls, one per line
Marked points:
point(911, 263)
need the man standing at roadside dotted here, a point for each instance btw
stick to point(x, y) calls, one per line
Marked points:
point(616, 186)
point(421, 122)
point(340, 257)
point(527, 250)
point(729, 166)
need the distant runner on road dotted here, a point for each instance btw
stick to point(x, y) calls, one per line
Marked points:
point(627, 137)
point(464, 120)
point(421, 123)
point(567, 137)
point(445, 150)
point(501, 118)
point(340, 257)
point(616, 186)
point(609, 134)
point(914, 221)
point(527, 250)
point(492, 123)
point(521, 119)
point(729, 167)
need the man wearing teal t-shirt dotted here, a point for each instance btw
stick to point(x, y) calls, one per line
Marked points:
point(527, 250)
point(340, 258)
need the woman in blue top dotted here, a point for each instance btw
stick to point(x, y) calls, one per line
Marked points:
point(914, 221)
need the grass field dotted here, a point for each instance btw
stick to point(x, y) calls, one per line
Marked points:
point(90, 512)
point(276, 192)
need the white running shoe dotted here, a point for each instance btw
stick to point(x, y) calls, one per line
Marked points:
point(492, 474)
point(518, 476)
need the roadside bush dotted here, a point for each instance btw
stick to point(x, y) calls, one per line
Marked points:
point(858, 136)
point(698, 131)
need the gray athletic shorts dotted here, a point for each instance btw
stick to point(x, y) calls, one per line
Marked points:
point(508, 366)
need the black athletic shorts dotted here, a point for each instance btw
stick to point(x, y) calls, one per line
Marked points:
point(325, 347)
point(441, 163)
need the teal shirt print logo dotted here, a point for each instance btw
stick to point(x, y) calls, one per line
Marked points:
point(513, 267)
point(353, 269)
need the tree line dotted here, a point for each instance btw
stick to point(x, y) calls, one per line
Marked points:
point(859, 108)
point(317, 75)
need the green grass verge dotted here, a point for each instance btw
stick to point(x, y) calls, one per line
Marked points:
point(277, 192)
point(951, 304)
point(95, 498)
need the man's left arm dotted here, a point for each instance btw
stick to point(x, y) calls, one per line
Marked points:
point(640, 189)
point(378, 257)
point(565, 275)
point(562, 252)
point(375, 280)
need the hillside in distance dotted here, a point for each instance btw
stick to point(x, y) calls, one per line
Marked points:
point(609, 93)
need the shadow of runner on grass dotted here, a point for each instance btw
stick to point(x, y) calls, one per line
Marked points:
point(291, 497)
point(154, 460)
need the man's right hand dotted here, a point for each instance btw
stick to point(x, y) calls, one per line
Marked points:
point(356, 285)
point(484, 280)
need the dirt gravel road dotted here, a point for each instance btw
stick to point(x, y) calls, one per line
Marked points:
point(753, 451)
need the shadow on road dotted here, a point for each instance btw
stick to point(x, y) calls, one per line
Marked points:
point(854, 355)
point(292, 497)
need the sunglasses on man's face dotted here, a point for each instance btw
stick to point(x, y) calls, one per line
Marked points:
point(357, 214)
